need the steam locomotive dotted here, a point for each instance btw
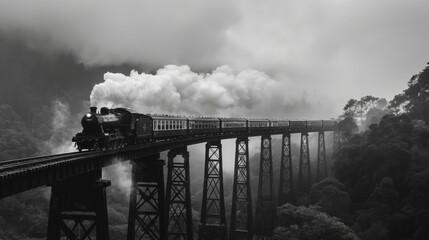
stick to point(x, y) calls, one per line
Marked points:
point(117, 127)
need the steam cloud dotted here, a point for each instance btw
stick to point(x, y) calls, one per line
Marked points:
point(178, 90)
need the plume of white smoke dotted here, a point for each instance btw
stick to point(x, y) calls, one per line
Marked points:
point(178, 90)
point(60, 141)
point(64, 126)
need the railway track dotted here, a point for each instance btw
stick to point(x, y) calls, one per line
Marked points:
point(9, 167)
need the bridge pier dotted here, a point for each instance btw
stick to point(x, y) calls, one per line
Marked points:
point(147, 216)
point(179, 218)
point(304, 177)
point(241, 210)
point(286, 177)
point(78, 208)
point(213, 220)
point(322, 169)
point(265, 206)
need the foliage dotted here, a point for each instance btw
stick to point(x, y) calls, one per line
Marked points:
point(347, 126)
point(385, 172)
point(15, 139)
point(305, 223)
point(384, 151)
point(360, 107)
point(330, 196)
point(372, 221)
point(415, 99)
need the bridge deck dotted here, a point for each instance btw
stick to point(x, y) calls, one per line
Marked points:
point(24, 174)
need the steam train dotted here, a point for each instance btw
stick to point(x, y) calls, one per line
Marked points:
point(117, 127)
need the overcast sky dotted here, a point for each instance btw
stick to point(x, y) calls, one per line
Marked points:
point(321, 52)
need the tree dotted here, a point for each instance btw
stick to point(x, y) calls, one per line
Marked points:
point(360, 108)
point(331, 197)
point(347, 126)
point(415, 99)
point(308, 224)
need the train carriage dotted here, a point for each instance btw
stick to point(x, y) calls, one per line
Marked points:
point(165, 127)
point(200, 126)
point(314, 125)
point(231, 125)
point(296, 126)
point(258, 125)
point(279, 125)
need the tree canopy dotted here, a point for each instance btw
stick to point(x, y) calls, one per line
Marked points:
point(415, 99)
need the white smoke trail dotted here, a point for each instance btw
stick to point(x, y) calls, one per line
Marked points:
point(178, 90)
point(62, 129)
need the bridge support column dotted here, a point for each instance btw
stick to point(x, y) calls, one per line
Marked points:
point(265, 206)
point(147, 216)
point(213, 220)
point(241, 210)
point(286, 177)
point(78, 208)
point(338, 139)
point(179, 196)
point(304, 177)
point(322, 169)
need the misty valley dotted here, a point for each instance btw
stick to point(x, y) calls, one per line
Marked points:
point(214, 120)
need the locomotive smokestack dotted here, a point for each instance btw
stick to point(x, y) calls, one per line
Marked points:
point(93, 110)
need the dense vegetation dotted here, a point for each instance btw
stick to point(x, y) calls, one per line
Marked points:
point(301, 223)
point(385, 169)
point(379, 188)
point(381, 184)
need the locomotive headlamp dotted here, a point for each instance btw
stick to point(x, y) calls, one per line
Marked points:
point(88, 115)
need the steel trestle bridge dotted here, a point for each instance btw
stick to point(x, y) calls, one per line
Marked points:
point(78, 208)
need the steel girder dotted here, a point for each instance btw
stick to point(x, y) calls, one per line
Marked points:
point(322, 169)
point(179, 196)
point(265, 206)
point(147, 217)
point(286, 171)
point(78, 208)
point(213, 220)
point(304, 177)
point(241, 210)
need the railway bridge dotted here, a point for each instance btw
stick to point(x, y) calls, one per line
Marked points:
point(78, 208)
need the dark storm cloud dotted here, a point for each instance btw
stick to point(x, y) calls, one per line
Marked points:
point(336, 48)
point(332, 50)
point(137, 32)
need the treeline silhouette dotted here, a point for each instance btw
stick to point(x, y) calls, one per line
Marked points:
point(381, 185)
